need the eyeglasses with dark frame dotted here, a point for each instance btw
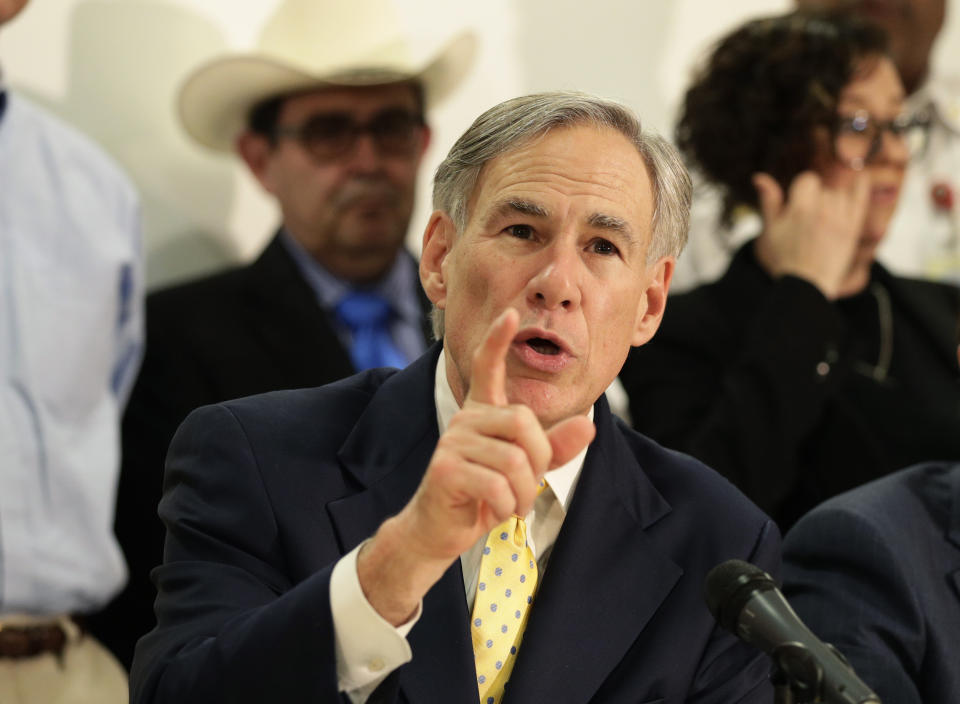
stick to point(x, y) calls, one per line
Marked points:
point(858, 138)
point(330, 135)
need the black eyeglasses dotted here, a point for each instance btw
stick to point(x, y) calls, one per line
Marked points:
point(858, 138)
point(330, 135)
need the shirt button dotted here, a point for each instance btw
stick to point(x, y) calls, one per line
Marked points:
point(823, 369)
point(376, 665)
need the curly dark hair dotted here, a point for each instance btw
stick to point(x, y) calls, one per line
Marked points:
point(764, 89)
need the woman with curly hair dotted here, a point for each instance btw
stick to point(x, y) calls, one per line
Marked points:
point(808, 368)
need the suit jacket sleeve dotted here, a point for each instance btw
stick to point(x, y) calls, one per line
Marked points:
point(844, 581)
point(231, 627)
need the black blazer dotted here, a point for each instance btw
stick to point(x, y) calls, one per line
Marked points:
point(263, 495)
point(759, 379)
point(249, 330)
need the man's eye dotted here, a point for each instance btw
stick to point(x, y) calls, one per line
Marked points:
point(523, 232)
point(604, 247)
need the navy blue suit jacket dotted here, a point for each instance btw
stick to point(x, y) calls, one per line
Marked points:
point(876, 572)
point(263, 495)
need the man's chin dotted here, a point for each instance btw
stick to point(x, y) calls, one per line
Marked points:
point(550, 401)
point(362, 234)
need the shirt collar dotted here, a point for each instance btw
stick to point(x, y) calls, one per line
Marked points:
point(398, 286)
point(562, 480)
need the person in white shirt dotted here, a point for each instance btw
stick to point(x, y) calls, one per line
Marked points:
point(71, 336)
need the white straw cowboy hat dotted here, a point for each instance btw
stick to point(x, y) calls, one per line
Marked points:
point(311, 44)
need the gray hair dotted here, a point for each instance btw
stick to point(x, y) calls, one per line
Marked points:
point(517, 122)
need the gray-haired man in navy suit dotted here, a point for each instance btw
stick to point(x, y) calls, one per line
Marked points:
point(329, 544)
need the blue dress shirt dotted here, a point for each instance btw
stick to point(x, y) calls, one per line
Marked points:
point(400, 286)
point(71, 289)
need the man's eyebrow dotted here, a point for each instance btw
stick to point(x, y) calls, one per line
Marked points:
point(612, 223)
point(514, 206)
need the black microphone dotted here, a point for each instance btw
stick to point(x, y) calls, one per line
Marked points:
point(745, 600)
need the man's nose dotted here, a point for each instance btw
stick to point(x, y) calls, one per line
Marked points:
point(557, 282)
point(364, 156)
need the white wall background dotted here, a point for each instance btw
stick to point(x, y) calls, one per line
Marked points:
point(112, 67)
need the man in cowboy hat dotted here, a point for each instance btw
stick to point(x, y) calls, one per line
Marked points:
point(328, 115)
point(409, 536)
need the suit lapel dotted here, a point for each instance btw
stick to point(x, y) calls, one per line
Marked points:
point(289, 323)
point(387, 453)
point(602, 562)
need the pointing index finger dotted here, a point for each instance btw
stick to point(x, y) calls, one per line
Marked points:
point(488, 378)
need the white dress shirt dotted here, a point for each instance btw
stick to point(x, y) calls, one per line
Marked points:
point(368, 647)
point(71, 336)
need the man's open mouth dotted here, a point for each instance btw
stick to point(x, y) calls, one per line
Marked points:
point(543, 346)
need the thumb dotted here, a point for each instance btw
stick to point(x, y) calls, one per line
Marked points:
point(568, 438)
point(769, 194)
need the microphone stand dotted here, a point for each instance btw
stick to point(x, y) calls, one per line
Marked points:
point(782, 694)
point(797, 678)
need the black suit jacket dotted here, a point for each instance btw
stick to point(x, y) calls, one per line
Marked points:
point(876, 572)
point(759, 379)
point(249, 330)
point(263, 496)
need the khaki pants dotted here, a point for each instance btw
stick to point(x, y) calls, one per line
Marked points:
point(86, 673)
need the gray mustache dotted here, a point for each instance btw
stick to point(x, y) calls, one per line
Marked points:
point(367, 190)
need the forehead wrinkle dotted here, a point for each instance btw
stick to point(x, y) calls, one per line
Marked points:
point(604, 180)
point(519, 168)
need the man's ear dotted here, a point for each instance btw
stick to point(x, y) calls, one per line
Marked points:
point(654, 300)
point(438, 240)
point(255, 150)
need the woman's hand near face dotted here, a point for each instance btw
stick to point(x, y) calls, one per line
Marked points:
point(815, 232)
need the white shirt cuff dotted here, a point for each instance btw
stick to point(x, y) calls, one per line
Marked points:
point(368, 647)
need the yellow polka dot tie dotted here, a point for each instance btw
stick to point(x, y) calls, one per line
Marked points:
point(508, 579)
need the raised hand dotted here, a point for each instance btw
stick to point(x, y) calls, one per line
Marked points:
point(486, 466)
point(814, 234)
point(489, 462)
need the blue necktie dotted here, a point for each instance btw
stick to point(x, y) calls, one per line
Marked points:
point(368, 317)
